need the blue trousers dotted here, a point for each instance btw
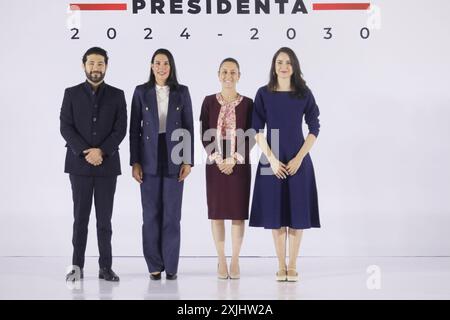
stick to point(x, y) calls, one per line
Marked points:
point(161, 197)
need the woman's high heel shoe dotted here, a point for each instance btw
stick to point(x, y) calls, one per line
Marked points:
point(220, 275)
point(235, 275)
point(281, 275)
point(292, 275)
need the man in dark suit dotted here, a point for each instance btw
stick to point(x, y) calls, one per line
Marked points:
point(93, 122)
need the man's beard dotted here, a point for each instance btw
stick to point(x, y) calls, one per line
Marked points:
point(95, 77)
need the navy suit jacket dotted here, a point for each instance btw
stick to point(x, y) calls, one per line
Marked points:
point(144, 129)
point(93, 121)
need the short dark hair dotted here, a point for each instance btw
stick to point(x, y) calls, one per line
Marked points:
point(298, 84)
point(96, 50)
point(172, 81)
point(230, 60)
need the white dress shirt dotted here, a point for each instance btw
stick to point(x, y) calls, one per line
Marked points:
point(162, 97)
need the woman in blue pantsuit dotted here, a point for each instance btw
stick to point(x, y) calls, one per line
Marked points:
point(285, 195)
point(162, 153)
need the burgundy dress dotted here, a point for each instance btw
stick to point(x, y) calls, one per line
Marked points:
point(227, 195)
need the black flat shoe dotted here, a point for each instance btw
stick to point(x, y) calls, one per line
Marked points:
point(108, 275)
point(74, 276)
point(171, 276)
point(156, 276)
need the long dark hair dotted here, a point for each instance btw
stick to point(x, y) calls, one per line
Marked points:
point(172, 81)
point(297, 83)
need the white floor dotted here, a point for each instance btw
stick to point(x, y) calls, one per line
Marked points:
point(321, 278)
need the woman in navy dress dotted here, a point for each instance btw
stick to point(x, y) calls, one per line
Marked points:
point(161, 120)
point(228, 172)
point(285, 195)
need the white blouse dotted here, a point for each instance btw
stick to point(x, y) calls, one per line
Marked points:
point(162, 97)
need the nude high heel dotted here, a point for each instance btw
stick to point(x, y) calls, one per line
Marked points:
point(236, 275)
point(281, 275)
point(220, 275)
point(292, 275)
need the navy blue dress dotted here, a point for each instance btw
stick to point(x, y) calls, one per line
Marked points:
point(290, 202)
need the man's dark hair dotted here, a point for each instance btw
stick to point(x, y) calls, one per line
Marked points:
point(96, 50)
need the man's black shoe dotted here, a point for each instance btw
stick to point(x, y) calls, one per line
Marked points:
point(108, 275)
point(73, 275)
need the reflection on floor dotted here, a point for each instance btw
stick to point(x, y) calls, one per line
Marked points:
point(320, 278)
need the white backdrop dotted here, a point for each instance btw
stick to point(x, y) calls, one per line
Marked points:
point(381, 159)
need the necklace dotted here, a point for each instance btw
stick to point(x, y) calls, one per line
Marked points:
point(230, 98)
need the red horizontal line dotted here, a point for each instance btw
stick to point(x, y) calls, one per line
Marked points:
point(341, 6)
point(98, 6)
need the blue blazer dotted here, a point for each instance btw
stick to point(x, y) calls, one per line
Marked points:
point(144, 128)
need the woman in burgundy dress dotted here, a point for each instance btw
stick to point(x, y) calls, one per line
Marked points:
point(225, 117)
